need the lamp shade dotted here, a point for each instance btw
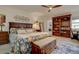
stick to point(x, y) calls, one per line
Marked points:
point(36, 26)
point(2, 19)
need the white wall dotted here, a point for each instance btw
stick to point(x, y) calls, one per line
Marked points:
point(46, 20)
point(10, 13)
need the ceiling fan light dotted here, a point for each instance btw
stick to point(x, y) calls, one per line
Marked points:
point(50, 8)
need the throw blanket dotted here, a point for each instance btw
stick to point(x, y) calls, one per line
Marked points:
point(21, 46)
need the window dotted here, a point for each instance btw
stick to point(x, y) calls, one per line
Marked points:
point(75, 24)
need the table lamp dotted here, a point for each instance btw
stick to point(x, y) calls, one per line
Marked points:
point(2, 21)
point(36, 26)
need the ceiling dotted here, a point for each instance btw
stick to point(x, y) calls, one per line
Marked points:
point(64, 9)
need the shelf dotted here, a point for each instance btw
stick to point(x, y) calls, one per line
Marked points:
point(61, 26)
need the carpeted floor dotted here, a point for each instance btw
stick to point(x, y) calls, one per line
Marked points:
point(4, 48)
point(66, 47)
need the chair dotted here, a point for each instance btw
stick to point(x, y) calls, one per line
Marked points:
point(74, 35)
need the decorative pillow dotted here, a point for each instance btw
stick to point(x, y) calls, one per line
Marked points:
point(21, 31)
point(13, 30)
point(29, 30)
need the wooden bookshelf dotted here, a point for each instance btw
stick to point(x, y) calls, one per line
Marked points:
point(61, 25)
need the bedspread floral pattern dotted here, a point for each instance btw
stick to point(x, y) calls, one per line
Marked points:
point(21, 46)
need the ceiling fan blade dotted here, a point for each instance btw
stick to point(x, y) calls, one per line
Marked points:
point(45, 6)
point(50, 7)
point(56, 6)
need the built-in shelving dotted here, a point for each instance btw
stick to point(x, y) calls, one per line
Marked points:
point(61, 25)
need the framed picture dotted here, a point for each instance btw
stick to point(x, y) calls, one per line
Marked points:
point(2, 19)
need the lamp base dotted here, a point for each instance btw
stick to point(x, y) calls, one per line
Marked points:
point(2, 26)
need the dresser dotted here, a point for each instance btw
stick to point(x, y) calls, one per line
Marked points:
point(4, 37)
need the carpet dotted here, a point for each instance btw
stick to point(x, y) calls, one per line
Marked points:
point(66, 47)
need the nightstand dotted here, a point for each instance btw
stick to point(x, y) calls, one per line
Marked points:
point(4, 37)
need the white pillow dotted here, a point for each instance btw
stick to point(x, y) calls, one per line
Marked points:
point(21, 31)
point(29, 30)
point(13, 30)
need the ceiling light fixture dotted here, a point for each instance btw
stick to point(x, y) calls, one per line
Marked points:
point(50, 7)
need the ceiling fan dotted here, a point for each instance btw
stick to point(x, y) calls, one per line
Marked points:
point(50, 7)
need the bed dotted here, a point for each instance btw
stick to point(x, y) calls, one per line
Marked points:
point(36, 38)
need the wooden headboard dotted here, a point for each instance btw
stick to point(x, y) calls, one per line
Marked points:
point(19, 25)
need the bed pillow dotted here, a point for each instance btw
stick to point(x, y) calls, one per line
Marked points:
point(29, 30)
point(21, 31)
point(13, 30)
